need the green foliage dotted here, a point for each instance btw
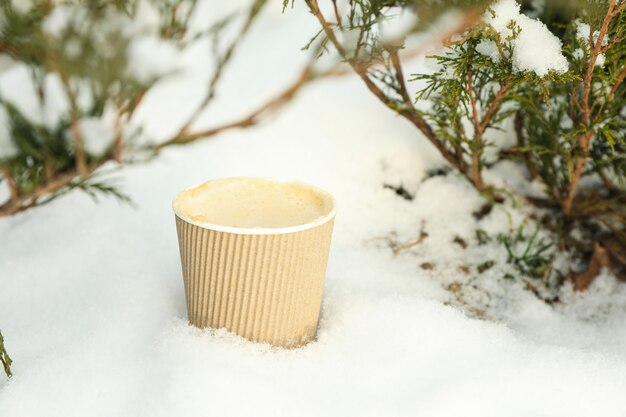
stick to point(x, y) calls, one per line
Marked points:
point(81, 49)
point(553, 129)
point(570, 125)
point(4, 358)
point(79, 57)
point(529, 255)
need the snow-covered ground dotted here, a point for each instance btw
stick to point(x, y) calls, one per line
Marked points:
point(92, 304)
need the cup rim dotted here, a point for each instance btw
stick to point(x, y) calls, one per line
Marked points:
point(262, 230)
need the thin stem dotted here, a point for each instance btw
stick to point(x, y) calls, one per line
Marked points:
point(337, 16)
point(478, 131)
point(495, 104)
point(397, 65)
point(618, 81)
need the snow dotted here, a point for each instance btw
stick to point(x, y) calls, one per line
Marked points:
point(582, 33)
point(47, 112)
point(22, 6)
point(97, 134)
point(92, 306)
point(150, 58)
point(24, 99)
point(535, 48)
point(396, 23)
point(61, 16)
point(490, 49)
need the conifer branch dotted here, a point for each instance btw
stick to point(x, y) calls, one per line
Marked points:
point(361, 69)
point(477, 144)
point(55, 185)
point(586, 139)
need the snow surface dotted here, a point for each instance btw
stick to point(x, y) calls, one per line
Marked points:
point(92, 305)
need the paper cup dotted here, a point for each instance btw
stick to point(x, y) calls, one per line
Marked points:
point(254, 253)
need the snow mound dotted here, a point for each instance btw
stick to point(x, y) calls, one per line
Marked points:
point(535, 48)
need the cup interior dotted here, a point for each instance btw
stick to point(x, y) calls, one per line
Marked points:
point(252, 203)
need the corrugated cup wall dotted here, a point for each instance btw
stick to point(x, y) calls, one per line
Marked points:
point(266, 288)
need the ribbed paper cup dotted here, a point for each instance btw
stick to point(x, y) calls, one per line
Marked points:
point(261, 281)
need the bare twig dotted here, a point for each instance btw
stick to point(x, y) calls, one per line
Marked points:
point(599, 260)
point(221, 64)
point(255, 116)
point(396, 249)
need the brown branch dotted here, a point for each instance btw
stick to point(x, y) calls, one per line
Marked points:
point(117, 142)
point(618, 81)
point(470, 93)
point(49, 169)
point(8, 176)
point(337, 16)
point(585, 140)
point(504, 88)
point(361, 70)
point(611, 43)
point(79, 151)
point(599, 260)
point(396, 249)
point(478, 133)
point(255, 116)
point(397, 65)
point(26, 201)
